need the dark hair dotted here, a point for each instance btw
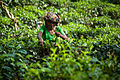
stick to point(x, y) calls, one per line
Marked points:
point(51, 21)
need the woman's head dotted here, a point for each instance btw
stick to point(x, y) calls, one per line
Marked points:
point(51, 19)
point(50, 24)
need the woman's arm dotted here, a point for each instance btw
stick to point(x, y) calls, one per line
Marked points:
point(62, 36)
point(40, 38)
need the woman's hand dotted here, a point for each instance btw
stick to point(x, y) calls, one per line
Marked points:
point(40, 38)
point(41, 42)
point(62, 36)
point(58, 34)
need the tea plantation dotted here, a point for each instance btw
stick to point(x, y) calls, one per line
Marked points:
point(92, 52)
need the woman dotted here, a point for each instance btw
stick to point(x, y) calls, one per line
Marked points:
point(50, 31)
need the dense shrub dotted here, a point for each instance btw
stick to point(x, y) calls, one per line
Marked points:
point(91, 53)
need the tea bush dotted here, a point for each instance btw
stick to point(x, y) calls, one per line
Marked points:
point(91, 53)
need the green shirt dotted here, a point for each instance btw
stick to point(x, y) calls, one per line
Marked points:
point(47, 36)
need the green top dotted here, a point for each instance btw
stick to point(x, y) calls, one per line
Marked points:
point(47, 36)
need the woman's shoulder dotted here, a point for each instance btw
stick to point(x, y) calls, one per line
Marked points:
point(42, 26)
point(58, 27)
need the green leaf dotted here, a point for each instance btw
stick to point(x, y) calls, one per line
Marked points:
point(23, 51)
point(29, 56)
point(11, 46)
point(45, 70)
point(24, 65)
point(19, 46)
point(19, 55)
point(10, 55)
point(7, 68)
point(16, 1)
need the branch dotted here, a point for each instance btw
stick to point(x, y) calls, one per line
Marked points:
point(10, 15)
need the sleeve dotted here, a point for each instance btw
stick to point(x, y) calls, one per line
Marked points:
point(60, 30)
point(42, 28)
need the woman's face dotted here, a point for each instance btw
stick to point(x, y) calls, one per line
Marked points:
point(51, 24)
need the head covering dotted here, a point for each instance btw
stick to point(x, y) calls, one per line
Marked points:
point(52, 17)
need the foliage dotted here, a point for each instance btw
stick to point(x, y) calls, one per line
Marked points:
point(93, 28)
point(112, 1)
